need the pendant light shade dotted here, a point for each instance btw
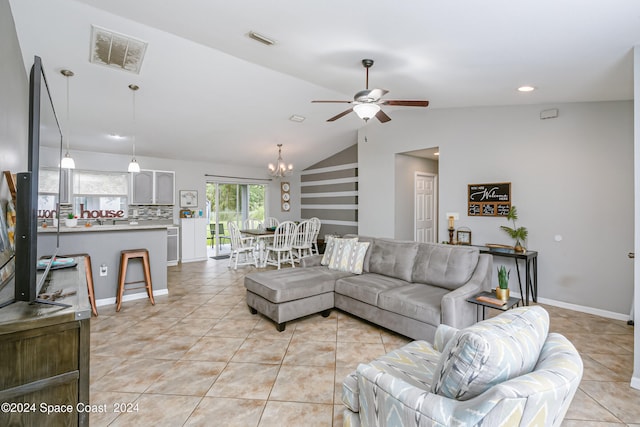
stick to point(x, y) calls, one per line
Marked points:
point(134, 166)
point(67, 161)
point(280, 168)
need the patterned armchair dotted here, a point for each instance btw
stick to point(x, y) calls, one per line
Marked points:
point(505, 371)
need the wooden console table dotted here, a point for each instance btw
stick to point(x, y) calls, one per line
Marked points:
point(530, 259)
point(44, 351)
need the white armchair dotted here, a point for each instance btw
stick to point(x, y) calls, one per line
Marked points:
point(505, 371)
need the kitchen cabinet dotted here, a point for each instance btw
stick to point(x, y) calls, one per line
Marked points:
point(151, 187)
point(193, 238)
point(173, 245)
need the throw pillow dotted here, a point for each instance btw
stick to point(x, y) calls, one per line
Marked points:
point(356, 259)
point(491, 352)
point(330, 248)
point(341, 252)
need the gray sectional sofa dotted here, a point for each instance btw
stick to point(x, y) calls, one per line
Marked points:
point(407, 287)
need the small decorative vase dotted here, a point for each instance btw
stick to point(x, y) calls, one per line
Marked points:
point(502, 294)
point(71, 222)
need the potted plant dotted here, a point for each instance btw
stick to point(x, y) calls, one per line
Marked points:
point(502, 291)
point(71, 220)
point(519, 234)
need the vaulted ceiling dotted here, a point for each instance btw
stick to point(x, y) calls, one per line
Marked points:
point(208, 92)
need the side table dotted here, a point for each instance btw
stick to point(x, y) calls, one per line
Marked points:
point(512, 302)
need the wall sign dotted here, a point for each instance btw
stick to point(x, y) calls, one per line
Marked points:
point(489, 199)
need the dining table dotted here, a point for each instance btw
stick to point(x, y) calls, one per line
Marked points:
point(261, 235)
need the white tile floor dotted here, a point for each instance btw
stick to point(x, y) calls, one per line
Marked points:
point(198, 357)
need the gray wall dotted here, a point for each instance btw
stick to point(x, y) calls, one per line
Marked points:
point(329, 191)
point(406, 167)
point(571, 177)
point(635, 380)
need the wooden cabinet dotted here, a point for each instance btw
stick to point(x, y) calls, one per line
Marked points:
point(45, 357)
point(151, 187)
point(193, 236)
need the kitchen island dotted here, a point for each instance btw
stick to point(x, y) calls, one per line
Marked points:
point(103, 243)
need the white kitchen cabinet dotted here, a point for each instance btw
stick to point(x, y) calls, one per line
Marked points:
point(151, 187)
point(173, 245)
point(193, 236)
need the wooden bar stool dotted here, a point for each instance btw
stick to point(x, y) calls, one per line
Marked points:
point(125, 256)
point(89, 274)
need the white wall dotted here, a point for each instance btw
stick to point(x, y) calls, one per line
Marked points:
point(635, 380)
point(571, 176)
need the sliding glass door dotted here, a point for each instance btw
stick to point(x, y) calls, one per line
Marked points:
point(232, 202)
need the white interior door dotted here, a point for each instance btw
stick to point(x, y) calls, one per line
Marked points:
point(426, 207)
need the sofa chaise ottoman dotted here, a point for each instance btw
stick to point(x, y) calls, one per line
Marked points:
point(404, 286)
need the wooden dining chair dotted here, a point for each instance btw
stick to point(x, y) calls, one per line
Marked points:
point(240, 247)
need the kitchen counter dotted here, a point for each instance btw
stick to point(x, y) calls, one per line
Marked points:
point(103, 243)
point(142, 225)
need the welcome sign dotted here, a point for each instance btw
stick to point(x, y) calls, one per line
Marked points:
point(489, 199)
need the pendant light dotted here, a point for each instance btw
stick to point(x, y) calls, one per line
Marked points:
point(134, 166)
point(280, 169)
point(67, 161)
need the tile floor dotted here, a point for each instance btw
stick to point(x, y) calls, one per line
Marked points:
point(199, 358)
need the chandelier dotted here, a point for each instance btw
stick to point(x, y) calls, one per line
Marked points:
point(280, 169)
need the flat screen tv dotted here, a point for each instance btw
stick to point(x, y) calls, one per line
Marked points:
point(44, 131)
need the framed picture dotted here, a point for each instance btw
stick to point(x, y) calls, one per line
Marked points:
point(463, 237)
point(188, 198)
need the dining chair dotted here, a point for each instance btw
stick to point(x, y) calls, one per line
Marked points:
point(252, 224)
point(240, 247)
point(222, 235)
point(271, 222)
point(303, 242)
point(281, 245)
point(314, 239)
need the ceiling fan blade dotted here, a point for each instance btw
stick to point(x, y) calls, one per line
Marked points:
point(344, 113)
point(405, 103)
point(336, 102)
point(382, 116)
point(376, 94)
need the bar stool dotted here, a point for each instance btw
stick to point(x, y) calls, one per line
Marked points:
point(89, 274)
point(125, 256)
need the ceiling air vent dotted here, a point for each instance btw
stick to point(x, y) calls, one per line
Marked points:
point(116, 50)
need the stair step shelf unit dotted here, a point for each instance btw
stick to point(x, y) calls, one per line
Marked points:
point(153, 187)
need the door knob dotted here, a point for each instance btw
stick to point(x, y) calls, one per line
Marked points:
point(631, 254)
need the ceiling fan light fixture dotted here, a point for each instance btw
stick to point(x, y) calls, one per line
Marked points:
point(366, 111)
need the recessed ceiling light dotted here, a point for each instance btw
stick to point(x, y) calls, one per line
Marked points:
point(526, 89)
point(296, 118)
point(116, 136)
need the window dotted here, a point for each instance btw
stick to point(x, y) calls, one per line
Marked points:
point(100, 194)
point(47, 191)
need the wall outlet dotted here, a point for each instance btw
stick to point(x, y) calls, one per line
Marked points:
point(103, 270)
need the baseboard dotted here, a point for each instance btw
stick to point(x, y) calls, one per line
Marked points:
point(635, 382)
point(580, 308)
point(130, 297)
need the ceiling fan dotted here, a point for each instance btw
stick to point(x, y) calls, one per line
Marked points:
point(366, 103)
